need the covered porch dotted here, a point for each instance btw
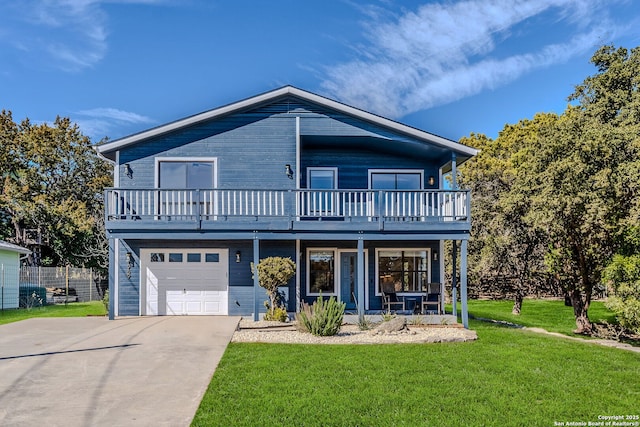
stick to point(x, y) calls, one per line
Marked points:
point(364, 294)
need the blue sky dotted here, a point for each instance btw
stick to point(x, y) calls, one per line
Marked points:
point(448, 67)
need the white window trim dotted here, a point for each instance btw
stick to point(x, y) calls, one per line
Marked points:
point(419, 171)
point(335, 272)
point(366, 273)
point(322, 168)
point(158, 160)
point(377, 272)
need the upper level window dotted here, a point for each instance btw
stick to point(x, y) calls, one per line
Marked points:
point(322, 178)
point(176, 174)
point(380, 179)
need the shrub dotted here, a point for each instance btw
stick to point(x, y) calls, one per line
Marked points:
point(105, 300)
point(278, 314)
point(32, 296)
point(623, 278)
point(323, 318)
point(364, 323)
point(272, 273)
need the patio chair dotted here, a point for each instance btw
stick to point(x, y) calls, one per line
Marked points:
point(390, 299)
point(432, 301)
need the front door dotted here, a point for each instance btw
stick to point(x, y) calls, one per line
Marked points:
point(348, 279)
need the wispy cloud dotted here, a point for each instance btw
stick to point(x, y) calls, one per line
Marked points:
point(445, 51)
point(67, 34)
point(100, 122)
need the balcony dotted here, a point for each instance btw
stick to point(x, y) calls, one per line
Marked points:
point(287, 210)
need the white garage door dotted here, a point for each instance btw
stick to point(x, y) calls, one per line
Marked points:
point(185, 281)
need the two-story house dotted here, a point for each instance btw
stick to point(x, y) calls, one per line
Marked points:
point(356, 200)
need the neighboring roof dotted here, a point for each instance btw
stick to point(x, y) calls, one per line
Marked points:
point(111, 147)
point(14, 248)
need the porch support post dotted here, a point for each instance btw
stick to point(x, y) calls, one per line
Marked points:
point(113, 271)
point(454, 172)
point(361, 284)
point(454, 279)
point(256, 282)
point(463, 283)
point(298, 294)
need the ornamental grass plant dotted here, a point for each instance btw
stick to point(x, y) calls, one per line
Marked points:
point(323, 318)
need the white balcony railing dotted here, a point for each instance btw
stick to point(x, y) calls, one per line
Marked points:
point(212, 205)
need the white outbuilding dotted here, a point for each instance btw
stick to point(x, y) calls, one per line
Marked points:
point(10, 274)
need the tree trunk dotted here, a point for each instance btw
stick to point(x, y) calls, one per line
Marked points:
point(580, 308)
point(517, 304)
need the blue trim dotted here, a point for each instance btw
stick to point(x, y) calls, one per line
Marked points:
point(463, 283)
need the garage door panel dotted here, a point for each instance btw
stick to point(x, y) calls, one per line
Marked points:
point(192, 288)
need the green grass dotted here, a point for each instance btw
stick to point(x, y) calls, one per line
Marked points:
point(75, 309)
point(551, 315)
point(509, 377)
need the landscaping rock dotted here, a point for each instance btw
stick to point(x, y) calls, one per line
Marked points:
point(396, 324)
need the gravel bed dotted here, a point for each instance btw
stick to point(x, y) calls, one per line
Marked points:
point(273, 332)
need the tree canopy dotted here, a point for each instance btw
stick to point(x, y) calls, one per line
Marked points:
point(51, 192)
point(563, 190)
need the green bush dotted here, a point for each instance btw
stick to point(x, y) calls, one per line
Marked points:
point(274, 272)
point(32, 296)
point(622, 276)
point(323, 318)
point(278, 314)
point(105, 300)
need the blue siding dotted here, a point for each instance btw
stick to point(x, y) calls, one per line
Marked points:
point(240, 300)
point(354, 164)
point(251, 156)
point(129, 287)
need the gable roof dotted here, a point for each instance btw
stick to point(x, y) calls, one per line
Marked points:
point(13, 248)
point(108, 149)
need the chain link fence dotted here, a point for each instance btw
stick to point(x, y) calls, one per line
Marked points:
point(59, 285)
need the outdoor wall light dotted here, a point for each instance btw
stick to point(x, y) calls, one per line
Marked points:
point(238, 253)
point(431, 180)
point(128, 171)
point(435, 255)
point(288, 171)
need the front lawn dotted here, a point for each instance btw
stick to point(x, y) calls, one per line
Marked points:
point(551, 315)
point(509, 377)
point(74, 309)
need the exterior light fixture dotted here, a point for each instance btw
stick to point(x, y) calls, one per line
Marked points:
point(238, 253)
point(288, 171)
point(128, 171)
point(435, 255)
point(431, 180)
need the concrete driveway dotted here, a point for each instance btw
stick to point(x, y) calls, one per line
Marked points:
point(142, 371)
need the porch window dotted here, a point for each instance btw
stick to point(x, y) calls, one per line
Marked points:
point(321, 275)
point(400, 270)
